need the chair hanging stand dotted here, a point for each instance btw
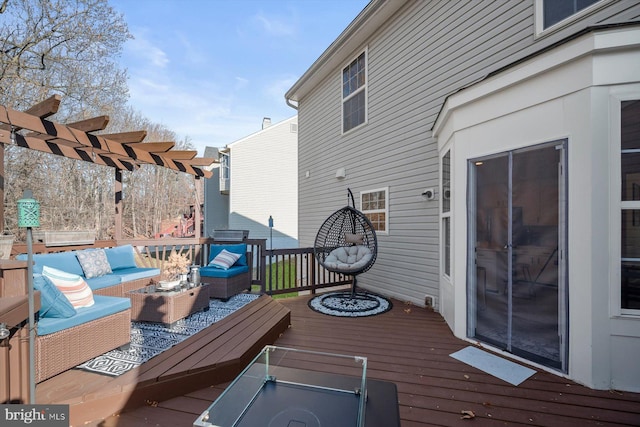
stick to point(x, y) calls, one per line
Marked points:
point(346, 243)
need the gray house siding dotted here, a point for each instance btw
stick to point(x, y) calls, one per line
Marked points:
point(426, 51)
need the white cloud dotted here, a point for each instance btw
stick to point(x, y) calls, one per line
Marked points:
point(190, 52)
point(276, 89)
point(274, 26)
point(241, 83)
point(147, 51)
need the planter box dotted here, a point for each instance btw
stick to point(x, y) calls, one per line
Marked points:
point(65, 238)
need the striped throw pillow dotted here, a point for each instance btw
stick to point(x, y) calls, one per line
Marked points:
point(225, 259)
point(72, 286)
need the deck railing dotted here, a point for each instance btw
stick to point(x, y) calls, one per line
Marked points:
point(295, 270)
point(274, 271)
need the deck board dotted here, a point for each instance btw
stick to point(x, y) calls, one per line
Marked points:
point(175, 372)
point(410, 346)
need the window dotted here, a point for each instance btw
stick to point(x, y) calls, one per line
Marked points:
point(446, 213)
point(375, 205)
point(225, 174)
point(354, 93)
point(552, 12)
point(630, 206)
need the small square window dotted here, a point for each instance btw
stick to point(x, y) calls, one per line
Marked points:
point(374, 205)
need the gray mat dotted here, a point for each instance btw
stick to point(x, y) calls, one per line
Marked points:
point(497, 366)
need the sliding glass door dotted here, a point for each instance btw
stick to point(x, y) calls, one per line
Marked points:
point(517, 228)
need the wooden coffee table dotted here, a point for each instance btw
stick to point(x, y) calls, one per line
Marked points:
point(149, 304)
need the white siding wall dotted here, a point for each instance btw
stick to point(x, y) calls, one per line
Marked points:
point(264, 177)
point(427, 51)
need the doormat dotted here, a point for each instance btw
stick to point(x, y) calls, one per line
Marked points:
point(149, 339)
point(494, 365)
point(343, 304)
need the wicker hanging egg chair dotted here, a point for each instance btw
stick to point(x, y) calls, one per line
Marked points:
point(346, 242)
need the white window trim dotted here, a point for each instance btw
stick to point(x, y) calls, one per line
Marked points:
point(617, 96)
point(540, 31)
point(364, 88)
point(385, 210)
point(444, 215)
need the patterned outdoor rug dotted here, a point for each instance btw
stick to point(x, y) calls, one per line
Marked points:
point(342, 304)
point(150, 339)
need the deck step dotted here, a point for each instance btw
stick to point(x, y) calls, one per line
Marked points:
point(213, 356)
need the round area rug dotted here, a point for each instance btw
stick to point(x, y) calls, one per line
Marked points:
point(342, 304)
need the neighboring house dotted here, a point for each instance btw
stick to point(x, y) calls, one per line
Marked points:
point(495, 146)
point(257, 178)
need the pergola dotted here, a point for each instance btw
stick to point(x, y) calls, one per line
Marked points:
point(121, 151)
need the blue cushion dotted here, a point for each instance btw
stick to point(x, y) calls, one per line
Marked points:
point(222, 274)
point(240, 248)
point(101, 282)
point(121, 257)
point(53, 303)
point(104, 306)
point(65, 261)
point(129, 274)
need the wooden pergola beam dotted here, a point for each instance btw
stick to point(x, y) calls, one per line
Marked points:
point(57, 136)
point(126, 137)
point(91, 125)
point(180, 155)
point(153, 147)
point(202, 161)
point(65, 151)
point(46, 108)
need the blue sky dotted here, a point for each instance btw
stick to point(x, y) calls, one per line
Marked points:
point(210, 70)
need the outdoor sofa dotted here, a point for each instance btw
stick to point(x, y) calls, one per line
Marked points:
point(68, 336)
point(227, 275)
point(124, 275)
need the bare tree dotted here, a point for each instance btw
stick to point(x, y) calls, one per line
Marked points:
point(70, 47)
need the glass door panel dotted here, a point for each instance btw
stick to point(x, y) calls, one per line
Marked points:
point(516, 198)
point(534, 276)
point(492, 221)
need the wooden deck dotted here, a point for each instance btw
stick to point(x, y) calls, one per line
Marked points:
point(410, 346)
point(212, 356)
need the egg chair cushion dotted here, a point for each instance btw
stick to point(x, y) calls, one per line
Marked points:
point(348, 259)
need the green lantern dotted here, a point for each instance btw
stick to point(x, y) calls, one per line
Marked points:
point(28, 211)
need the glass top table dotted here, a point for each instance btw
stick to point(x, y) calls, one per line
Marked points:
point(271, 391)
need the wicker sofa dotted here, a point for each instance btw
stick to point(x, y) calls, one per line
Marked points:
point(227, 282)
point(67, 336)
point(125, 274)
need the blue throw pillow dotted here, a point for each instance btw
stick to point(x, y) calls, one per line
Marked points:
point(121, 257)
point(240, 249)
point(53, 303)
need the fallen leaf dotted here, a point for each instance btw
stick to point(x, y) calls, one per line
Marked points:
point(407, 310)
point(467, 415)
point(466, 376)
